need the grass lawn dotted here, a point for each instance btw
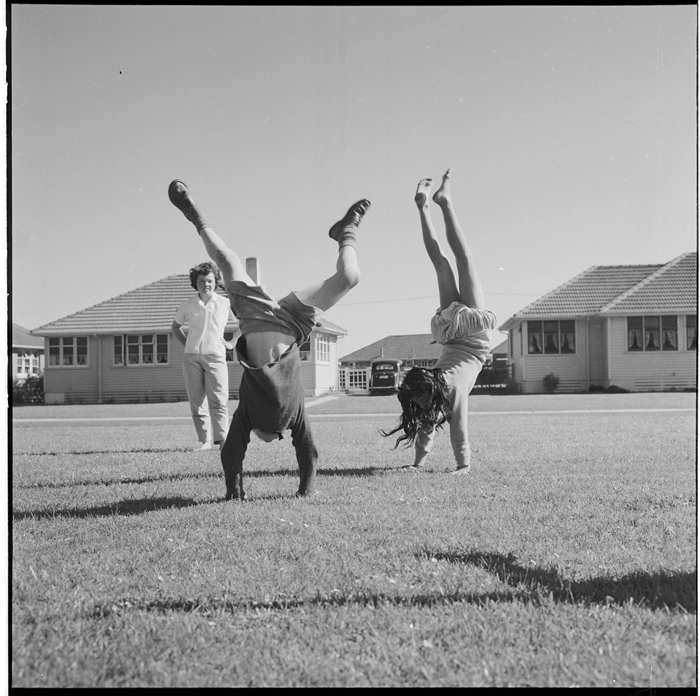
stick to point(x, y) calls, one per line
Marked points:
point(567, 557)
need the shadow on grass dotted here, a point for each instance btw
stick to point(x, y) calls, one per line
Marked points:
point(142, 450)
point(366, 471)
point(658, 590)
point(670, 592)
point(123, 481)
point(123, 507)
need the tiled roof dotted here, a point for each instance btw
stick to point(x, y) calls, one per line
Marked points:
point(21, 338)
point(673, 288)
point(620, 289)
point(501, 347)
point(408, 347)
point(148, 308)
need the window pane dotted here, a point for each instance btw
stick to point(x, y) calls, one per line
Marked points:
point(534, 336)
point(132, 340)
point(147, 338)
point(567, 331)
point(651, 334)
point(147, 354)
point(162, 348)
point(551, 336)
point(81, 351)
point(54, 354)
point(691, 332)
point(669, 333)
point(634, 333)
point(133, 355)
point(57, 341)
point(118, 351)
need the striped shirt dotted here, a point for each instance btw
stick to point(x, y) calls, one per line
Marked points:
point(464, 325)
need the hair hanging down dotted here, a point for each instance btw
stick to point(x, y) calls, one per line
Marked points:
point(205, 269)
point(421, 380)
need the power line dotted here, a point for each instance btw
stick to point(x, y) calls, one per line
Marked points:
point(433, 297)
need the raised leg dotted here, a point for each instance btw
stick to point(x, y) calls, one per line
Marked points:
point(228, 261)
point(447, 285)
point(347, 273)
point(470, 290)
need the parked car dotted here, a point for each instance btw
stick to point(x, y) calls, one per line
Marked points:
point(385, 376)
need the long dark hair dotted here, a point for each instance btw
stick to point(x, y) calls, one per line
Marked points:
point(421, 380)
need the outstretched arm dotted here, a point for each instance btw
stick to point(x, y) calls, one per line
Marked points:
point(307, 455)
point(233, 454)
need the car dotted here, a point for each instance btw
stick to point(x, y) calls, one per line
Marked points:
point(385, 376)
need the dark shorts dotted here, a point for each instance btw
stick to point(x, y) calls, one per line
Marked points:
point(257, 311)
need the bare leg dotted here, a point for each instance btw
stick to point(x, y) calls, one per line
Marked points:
point(447, 286)
point(347, 273)
point(228, 261)
point(470, 290)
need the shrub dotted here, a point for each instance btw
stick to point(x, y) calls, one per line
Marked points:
point(28, 391)
point(596, 388)
point(550, 382)
point(614, 389)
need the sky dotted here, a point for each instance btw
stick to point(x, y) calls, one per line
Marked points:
point(571, 133)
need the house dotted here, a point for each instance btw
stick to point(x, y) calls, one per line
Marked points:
point(633, 327)
point(27, 354)
point(414, 350)
point(122, 350)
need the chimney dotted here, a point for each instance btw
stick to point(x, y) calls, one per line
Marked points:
point(252, 268)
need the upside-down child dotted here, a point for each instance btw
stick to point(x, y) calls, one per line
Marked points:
point(430, 397)
point(271, 396)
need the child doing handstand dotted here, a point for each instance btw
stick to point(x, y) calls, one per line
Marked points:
point(271, 396)
point(431, 397)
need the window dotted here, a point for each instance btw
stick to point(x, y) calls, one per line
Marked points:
point(650, 334)
point(27, 363)
point(691, 332)
point(145, 349)
point(305, 351)
point(424, 362)
point(551, 336)
point(68, 351)
point(230, 354)
point(323, 348)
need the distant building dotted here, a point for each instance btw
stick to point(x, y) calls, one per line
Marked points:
point(27, 354)
point(634, 327)
point(122, 350)
point(414, 350)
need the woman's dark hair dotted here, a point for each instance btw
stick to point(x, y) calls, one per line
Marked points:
point(205, 269)
point(420, 380)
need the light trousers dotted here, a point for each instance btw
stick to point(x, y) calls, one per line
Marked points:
point(206, 377)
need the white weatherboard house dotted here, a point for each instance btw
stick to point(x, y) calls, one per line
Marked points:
point(122, 350)
point(633, 327)
point(27, 354)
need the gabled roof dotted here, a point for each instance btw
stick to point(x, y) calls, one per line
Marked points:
point(620, 290)
point(148, 308)
point(408, 347)
point(21, 338)
point(501, 347)
point(673, 288)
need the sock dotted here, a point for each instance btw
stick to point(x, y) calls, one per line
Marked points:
point(184, 203)
point(347, 237)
